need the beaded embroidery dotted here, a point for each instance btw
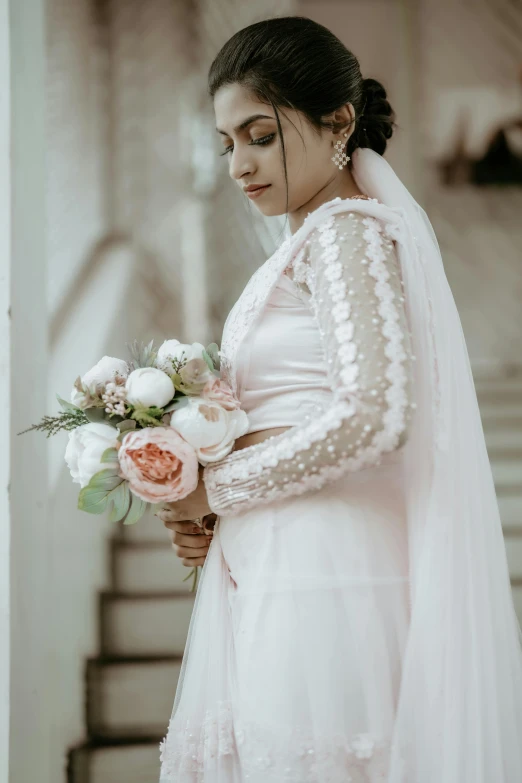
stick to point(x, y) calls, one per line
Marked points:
point(308, 456)
point(275, 754)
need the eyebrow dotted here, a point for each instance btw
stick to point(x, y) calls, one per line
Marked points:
point(247, 122)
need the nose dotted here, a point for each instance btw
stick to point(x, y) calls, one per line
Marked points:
point(241, 163)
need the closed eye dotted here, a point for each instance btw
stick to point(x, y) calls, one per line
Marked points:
point(262, 142)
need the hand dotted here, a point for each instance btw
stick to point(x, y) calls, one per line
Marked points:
point(193, 506)
point(190, 541)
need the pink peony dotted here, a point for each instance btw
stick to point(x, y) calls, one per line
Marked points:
point(216, 390)
point(159, 465)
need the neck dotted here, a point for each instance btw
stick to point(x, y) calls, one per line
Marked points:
point(342, 186)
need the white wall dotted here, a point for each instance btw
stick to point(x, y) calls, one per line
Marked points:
point(5, 336)
point(30, 688)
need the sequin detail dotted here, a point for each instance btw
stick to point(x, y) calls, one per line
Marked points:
point(346, 269)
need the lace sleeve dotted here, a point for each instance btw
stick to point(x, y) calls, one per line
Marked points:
point(349, 272)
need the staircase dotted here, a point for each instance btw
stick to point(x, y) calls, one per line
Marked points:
point(500, 402)
point(144, 618)
point(130, 685)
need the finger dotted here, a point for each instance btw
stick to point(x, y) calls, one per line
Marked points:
point(193, 561)
point(190, 542)
point(185, 551)
point(186, 526)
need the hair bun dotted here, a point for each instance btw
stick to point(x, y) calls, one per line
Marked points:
point(377, 120)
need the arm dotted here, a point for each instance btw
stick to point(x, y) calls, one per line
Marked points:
point(349, 271)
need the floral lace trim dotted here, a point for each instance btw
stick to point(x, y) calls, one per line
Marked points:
point(274, 754)
point(244, 310)
point(267, 454)
point(192, 747)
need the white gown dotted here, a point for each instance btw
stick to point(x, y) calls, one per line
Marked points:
point(307, 577)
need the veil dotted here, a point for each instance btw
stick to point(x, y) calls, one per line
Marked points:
point(459, 714)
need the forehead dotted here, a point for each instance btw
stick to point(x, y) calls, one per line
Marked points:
point(234, 102)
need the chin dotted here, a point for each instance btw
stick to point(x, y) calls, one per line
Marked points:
point(270, 207)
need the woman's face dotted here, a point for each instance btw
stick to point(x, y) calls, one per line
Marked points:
point(248, 129)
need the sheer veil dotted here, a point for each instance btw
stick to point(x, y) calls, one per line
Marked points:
point(459, 708)
point(459, 717)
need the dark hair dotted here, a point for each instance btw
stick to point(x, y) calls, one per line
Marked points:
point(297, 63)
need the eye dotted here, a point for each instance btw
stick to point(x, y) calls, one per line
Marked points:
point(261, 142)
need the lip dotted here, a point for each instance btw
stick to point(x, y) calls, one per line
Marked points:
point(254, 191)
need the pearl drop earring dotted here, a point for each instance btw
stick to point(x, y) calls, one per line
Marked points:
point(340, 158)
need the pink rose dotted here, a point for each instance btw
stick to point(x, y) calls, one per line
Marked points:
point(216, 390)
point(159, 465)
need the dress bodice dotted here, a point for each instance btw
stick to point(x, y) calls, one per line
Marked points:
point(281, 368)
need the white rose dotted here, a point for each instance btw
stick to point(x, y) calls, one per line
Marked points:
point(210, 429)
point(103, 372)
point(85, 448)
point(173, 349)
point(148, 386)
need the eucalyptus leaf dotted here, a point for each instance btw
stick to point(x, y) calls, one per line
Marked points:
point(213, 352)
point(208, 360)
point(94, 497)
point(106, 479)
point(126, 424)
point(109, 455)
point(67, 406)
point(136, 510)
point(93, 501)
point(121, 498)
point(95, 414)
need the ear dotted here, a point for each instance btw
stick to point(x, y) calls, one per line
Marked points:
point(343, 121)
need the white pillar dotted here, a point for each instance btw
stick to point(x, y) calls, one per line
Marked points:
point(5, 332)
point(26, 370)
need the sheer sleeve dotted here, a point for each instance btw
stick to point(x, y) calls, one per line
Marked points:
point(349, 272)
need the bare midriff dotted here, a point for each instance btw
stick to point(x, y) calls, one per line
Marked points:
point(257, 437)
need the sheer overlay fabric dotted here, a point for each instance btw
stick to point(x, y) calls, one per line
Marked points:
point(354, 620)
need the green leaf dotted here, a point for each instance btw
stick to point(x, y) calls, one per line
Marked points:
point(121, 498)
point(67, 406)
point(95, 414)
point(213, 352)
point(105, 479)
point(109, 455)
point(94, 497)
point(136, 510)
point(208, 360)
point(126, 425)
point(147, 419)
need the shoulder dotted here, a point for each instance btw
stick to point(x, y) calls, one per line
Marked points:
point(347, 233)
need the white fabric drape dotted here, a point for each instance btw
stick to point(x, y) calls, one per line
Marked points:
point(459, 711)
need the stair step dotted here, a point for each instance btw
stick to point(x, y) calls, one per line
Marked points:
point(127, 762)
point(130, 697)
point(152, 567)
point(517, 600)
point(148, 529)
point(513, 542)
point(503, 439)
point(493, 411)
point(510, 507)
point(145, 623)
point(507, 472)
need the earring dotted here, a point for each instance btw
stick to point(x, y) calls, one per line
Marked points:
point(340, 158)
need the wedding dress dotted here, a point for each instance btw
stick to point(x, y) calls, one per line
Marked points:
point(354, 620)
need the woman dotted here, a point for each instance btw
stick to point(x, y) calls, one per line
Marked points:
point(354, 619)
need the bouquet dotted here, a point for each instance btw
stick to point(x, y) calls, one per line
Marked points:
point(139, 430)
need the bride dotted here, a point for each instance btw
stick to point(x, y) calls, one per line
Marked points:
point(354, 619)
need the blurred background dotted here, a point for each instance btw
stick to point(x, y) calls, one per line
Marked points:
point(119, 221)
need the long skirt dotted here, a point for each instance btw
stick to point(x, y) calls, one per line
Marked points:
point(292, 668)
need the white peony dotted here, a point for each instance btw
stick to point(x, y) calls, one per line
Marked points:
point(173, 349)
point(148, 386)
point(85, 448)
point(210, 429)
point(103, 372)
